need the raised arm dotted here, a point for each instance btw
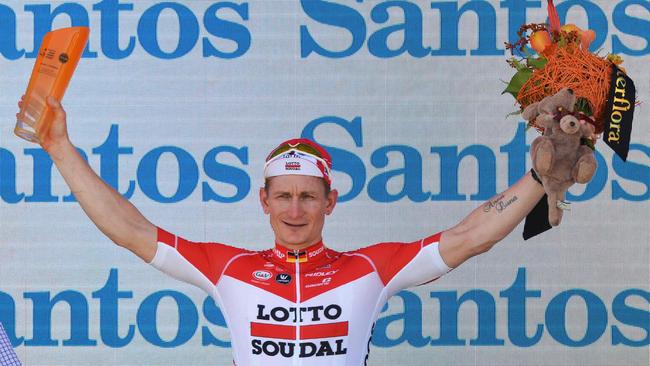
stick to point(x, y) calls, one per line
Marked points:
point(115, 216)
point(491, 222)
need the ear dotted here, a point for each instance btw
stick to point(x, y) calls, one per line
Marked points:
point(264, 200)
point(567, 99)
point(332, 197)
point(547, 105)
point(530, 112)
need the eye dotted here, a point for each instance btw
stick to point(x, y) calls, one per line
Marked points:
point(307, 196)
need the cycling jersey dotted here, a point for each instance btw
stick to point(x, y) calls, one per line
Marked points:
point(313, 306)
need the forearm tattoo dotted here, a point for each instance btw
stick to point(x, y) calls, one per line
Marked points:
point(499, 203)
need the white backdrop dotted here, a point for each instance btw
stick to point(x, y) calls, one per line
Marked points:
point(187, 105)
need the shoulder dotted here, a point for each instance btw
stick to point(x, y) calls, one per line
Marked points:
point(403, 249)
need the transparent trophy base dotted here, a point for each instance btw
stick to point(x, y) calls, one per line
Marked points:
point(27, 123)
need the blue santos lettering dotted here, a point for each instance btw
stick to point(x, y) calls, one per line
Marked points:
point(227, 182)
point(109, 297)
point(449, 309)
point(188, 319)
point(188, 30)
point(631, 26)
point(226, 174)
point(596, 317)
point(8, 47)
point(8, 190)
point(411, 174)
point(635, 317)
point(411, 30)
point(411, 319)
point(44, 17)
point(110, 31)
point(333, 14)
point(109, 13)
point(633, 172)
point(222, 31)
point(214, 316)
point(42, 318)
point(408, 26)
point(631, 316)
point(228, 30)
point(517, 325)
point(631, 327)
point(188, 174)
point(450, 161)
point(450, 17)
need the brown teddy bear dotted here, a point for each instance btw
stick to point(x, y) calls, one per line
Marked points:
point(559, 157)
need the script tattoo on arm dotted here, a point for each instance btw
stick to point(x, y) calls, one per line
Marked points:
point(498, 203)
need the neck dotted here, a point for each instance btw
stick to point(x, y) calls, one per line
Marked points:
point(298, 246)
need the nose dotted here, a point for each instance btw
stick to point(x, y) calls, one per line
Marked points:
point(295, 210)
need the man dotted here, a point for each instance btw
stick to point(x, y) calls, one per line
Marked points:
point(299, 302)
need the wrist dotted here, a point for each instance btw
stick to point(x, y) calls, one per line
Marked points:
point(58, 150)
point(534, 175)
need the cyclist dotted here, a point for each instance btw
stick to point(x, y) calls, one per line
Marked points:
point(299, 302)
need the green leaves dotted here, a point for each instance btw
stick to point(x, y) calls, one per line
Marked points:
point(582, 105)
point(537, 63)
point(517, 81)
point(525, 70)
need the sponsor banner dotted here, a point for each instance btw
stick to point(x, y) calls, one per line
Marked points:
point(620, 111)
point(177, 103)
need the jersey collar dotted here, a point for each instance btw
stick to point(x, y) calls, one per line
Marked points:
point(313, 253)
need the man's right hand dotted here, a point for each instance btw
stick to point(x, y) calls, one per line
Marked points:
point(55, 135)
point(114, 215)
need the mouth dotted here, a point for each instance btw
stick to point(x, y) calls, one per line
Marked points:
point(294, 225)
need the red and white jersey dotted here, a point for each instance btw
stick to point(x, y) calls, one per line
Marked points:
point(313, 306)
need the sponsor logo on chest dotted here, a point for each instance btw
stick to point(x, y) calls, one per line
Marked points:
point(262, 275)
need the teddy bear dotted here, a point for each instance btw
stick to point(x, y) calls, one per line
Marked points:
point(559, 157)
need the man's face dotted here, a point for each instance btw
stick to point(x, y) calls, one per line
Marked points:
point(297, 206)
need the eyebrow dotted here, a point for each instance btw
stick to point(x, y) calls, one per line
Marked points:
point(310, 192)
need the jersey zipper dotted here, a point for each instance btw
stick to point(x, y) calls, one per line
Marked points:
point(296, 355)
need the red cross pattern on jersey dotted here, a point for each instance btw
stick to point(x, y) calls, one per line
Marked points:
point(313, 306)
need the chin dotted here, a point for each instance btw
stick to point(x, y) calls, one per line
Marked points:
point(295, 240)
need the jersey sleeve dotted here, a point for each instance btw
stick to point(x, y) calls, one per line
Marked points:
point(200, 264)
point(403, 265)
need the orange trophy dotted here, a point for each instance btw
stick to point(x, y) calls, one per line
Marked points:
point(57, 59)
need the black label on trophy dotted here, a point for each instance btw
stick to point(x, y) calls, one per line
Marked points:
point(619, 113)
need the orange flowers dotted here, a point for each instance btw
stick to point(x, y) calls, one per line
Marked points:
point(585, 36)
point(540, 40)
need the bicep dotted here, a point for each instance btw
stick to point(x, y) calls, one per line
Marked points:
point(210, 259)
point(402, 265)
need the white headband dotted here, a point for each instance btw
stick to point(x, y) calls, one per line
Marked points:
point(294, 162)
